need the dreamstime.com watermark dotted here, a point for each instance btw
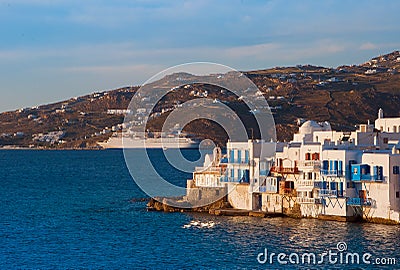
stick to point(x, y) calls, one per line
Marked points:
point(335, 256)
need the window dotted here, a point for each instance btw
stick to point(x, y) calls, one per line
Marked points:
point(308, 156)
point(397, 194)
point(385, 140)
point(310, 176)
point(396, 169)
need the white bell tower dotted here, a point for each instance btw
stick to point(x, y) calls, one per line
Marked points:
point(380, 113)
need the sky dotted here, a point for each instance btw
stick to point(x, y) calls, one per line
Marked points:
point(51, 50)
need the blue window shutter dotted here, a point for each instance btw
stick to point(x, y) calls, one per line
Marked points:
point(325, 165)
point(231, 156)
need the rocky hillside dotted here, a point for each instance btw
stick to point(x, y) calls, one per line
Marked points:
point(344, 96)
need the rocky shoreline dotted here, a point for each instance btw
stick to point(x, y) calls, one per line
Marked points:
point(179, 204)
point(222, 208)
point(218, 208)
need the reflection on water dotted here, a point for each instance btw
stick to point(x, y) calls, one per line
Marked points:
point(251, 235)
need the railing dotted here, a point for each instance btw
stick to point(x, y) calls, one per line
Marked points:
point(232, 179)
point(327, 192)
point(332, 172)
point(309, 164)
point(309, 183)
point(368, 177)
point(308, 200)
point(209, 169)
point(285, 170)
point(358, 201)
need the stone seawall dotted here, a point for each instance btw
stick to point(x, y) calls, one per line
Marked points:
point(179, 204)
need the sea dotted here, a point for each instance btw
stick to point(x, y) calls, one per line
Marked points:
point(82, 210)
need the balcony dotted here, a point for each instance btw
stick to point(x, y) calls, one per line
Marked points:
point(332, 172)
point(303, 200)
point(309, 165)
point(327, 193)
point(211, 169)
point(368, 178)
point(285, 170)
point(310, 183)
point(227, 179)
point(359, 201)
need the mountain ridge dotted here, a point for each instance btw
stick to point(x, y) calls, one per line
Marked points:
point(344, 96)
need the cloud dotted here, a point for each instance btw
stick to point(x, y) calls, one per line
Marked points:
point(368, 46)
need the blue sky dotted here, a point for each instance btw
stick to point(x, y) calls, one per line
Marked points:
point(51, 50)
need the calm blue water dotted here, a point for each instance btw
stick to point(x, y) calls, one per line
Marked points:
point(73, 210)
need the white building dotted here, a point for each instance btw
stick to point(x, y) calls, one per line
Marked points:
point(387, 124)
point(339, 173)
point(329, 174)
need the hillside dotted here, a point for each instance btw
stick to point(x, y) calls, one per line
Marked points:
point(344, 96)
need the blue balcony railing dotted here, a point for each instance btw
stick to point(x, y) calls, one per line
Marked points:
point(358, 201)
point(367, 177)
